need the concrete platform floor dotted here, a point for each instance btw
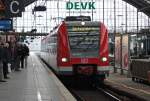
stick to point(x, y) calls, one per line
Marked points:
point(122, 82)
point(34, 83)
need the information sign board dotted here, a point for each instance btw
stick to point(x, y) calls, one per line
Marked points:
point(5, 24)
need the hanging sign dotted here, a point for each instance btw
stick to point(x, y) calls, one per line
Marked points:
point(14, 8)
point(6, 25)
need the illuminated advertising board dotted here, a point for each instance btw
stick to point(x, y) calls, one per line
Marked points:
point(118, 52)
point(125, 52)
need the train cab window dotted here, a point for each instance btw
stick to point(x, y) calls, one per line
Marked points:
point(52, 44)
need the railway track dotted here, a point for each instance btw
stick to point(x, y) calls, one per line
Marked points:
point(84, 91)
point(123, 95)
point(110, 95)
point(95, 94)
point(103, 93)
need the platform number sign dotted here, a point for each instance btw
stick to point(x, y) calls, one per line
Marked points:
point(14, 8)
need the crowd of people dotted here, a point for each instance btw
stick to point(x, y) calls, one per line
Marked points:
point(13, 57)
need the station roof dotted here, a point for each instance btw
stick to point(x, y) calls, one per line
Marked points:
point(28, 2)
point(141, 5)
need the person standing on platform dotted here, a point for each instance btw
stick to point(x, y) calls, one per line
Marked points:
point(6, 60)
point(26, 49)
point(12, 54)
point(1, 62)
point(23, 54)
point(17, 56)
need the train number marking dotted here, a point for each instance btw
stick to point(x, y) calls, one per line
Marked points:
point(84, 60)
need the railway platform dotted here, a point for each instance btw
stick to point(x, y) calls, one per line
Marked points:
point(34, 83)
point(125, 84)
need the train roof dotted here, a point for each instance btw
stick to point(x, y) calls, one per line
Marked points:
point(82, 23)
point(73, 23)
point(78, 18)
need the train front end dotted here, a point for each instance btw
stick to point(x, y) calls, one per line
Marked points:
point(83, 49)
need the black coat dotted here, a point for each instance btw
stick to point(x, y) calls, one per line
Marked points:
point(26, 50)
point(1, 53)
point(6, 55)
point(17, 52)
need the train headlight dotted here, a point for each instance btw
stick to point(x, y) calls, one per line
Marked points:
point(64, 59)
point(104, 59)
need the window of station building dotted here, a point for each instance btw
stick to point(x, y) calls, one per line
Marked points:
point(143, 21)
point(132, 18)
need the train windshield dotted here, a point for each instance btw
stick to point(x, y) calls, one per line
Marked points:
point(84, 41)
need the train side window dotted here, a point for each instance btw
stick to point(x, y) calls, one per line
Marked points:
point(52, 44)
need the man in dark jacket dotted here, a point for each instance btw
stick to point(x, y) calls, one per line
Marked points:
point(6, 59)
point(26, 54)
point(23, 54)
point(17, 56)
point(1, 62)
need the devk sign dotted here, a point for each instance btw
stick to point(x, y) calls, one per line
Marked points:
point(80, 5)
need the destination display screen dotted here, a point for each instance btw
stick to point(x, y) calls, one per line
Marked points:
point(6, 24)
point(78, 18)
point(82, 29)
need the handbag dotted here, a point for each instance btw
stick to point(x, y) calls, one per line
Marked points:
point(9, 67)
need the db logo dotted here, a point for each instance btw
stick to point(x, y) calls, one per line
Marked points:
point(84, 60)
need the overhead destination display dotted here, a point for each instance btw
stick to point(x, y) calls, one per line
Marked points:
point(82, 29)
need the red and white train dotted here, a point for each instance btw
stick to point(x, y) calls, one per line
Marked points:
point(77, 48)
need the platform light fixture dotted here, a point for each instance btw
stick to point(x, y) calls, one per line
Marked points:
point(133, 35)
point(39, 8)
point(39, 16)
